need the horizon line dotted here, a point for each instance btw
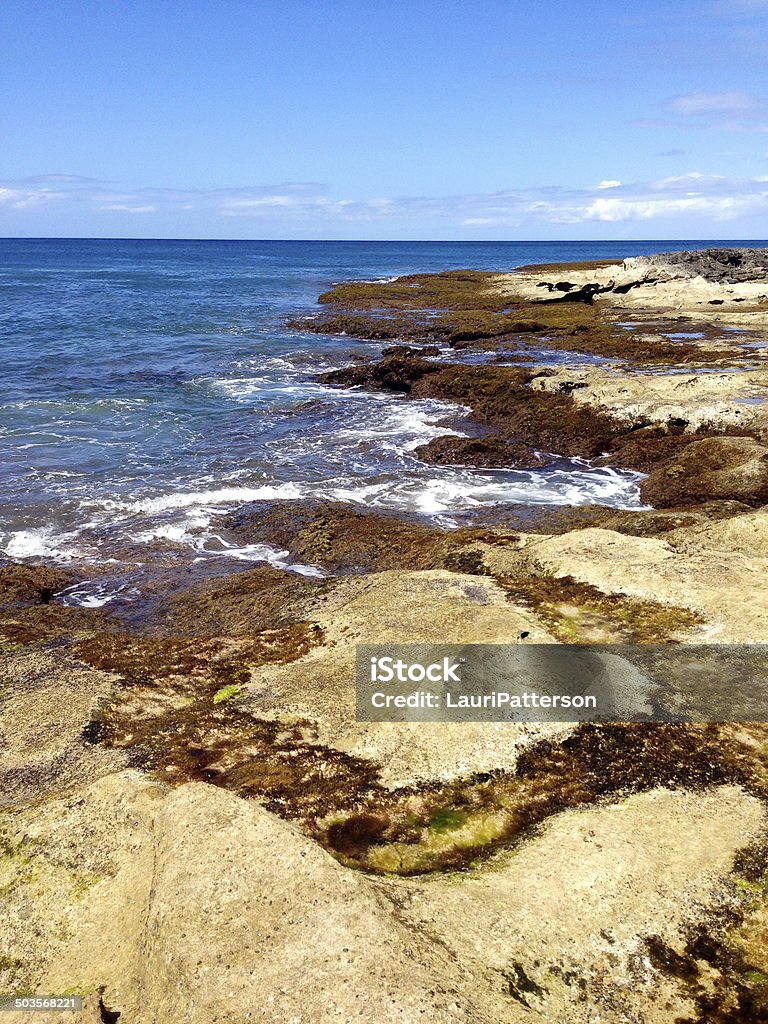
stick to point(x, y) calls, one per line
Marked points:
point(371, 241)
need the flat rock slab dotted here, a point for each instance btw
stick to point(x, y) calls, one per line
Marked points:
point(730, 589)
point(689, 400)
point(432, 606)
point(569, 909)
point(47, 702)
point(702, 280)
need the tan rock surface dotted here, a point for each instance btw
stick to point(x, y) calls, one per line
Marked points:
point(729, 588)
point(744, 535)
point(571, 906)
point(636, 284)
point(200, 907)
point(435, 606)
point(698, 400)
point(46, 702)
point(192, 906)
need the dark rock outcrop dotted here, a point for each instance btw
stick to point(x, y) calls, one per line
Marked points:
point(481, 452)
point(721, 266)
point(724, 468)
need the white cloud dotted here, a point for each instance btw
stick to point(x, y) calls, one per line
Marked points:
point(730, 110)
point(732, 102)
point(61, 179)
point(705, 198)
point(126, 208)
point(717, 208)
point(25, 198)
point(236, 206)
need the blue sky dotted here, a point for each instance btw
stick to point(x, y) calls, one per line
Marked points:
point(413, 119)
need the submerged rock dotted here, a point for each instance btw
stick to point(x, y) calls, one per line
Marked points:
point(346, 538)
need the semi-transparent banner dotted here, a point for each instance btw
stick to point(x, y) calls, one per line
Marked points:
point(562, 683)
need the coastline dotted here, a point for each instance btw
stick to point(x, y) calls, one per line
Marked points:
point(244, 681)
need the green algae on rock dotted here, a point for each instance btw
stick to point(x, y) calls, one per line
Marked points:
point(449, 827)
point(468, 309)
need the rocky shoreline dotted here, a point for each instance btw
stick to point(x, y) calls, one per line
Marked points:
point(195, 771)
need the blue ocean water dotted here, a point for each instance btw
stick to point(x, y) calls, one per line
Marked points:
point(149, 386)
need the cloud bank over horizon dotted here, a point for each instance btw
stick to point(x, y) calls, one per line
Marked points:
point(713, 205)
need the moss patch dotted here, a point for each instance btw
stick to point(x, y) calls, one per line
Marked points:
point(229, 692)
point(479, 815)
point(580, 613)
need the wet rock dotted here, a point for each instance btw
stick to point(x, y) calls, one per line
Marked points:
point(722, 468)
point(32, 584)
point(241, 604)
point(341, 538)
point(499, 397)
point(482, 452)
point(648, 523)
point(39, 623)
point(538, 518)
point(30, 605)
point(411, 350)
point(392, 373)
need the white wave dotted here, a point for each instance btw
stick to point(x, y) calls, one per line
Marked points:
point(194, 532)
point(38, 542)
point(261, 388)
point(176, 533)
point(231, 495)
point(262, 363)
point(96, 594)
point(251, 389)
point(409, 425)
point(360, 494)
point(462, 490)
point(266, 553)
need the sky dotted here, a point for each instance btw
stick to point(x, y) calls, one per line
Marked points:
point(403, 119)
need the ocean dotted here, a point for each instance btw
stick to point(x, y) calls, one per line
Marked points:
point(148, 387)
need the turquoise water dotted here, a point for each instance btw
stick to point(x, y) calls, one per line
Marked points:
point(149, 386)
